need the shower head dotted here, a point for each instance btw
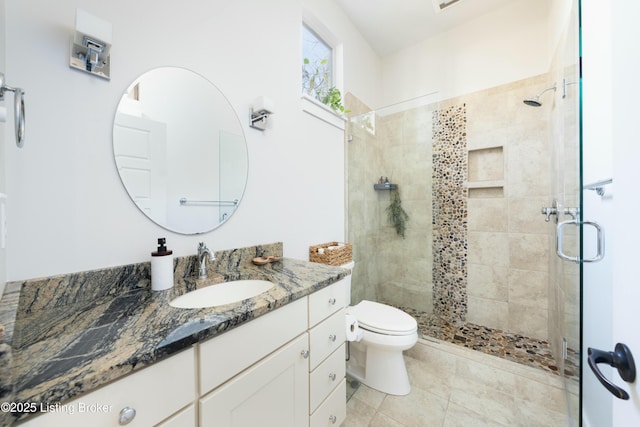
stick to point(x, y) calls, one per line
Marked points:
point(535, 101)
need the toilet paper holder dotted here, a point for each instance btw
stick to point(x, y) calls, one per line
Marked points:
point(18, 115)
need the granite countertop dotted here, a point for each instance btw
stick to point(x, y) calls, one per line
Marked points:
point(67, 335)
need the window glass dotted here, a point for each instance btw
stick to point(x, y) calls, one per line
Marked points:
point(317, 65)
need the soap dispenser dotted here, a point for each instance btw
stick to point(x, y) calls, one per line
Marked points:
point(161, 267)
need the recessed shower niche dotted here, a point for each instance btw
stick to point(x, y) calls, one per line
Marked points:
point(486, 172)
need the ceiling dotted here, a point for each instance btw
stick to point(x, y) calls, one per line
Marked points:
point(390, 25)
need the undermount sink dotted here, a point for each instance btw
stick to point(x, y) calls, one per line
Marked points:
point(223, 293)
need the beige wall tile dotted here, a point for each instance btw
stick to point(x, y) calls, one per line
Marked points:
point(524, 215)
point(529, 251)
point(487, 312)
point(487, 214)
point(529, 288)
point(528, 321)
point(486, 281)
point(488, 248)
point(527, 168)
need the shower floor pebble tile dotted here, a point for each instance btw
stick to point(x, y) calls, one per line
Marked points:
point(460, 395)
point(513, 347)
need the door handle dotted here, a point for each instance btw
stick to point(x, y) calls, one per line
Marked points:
point(621, 359)
point(560, 237)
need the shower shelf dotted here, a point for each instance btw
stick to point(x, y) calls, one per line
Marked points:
point(485, 184)
point(388, 186)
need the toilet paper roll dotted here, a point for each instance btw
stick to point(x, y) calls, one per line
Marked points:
point(353, 331)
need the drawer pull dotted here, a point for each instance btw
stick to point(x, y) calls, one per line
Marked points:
point(333, 419)
point(126, 416)
point(332, 301)
point(332, 337)
point(305, 353)
point(332, 376)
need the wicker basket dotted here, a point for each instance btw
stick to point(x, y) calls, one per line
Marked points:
point(336, 256)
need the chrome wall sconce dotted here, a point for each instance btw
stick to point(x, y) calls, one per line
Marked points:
point(18, 111)
point(91, 44)
point(259, 112)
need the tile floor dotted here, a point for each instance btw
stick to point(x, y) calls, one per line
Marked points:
point(456, 386)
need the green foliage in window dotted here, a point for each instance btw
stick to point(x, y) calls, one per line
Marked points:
point(316, 76)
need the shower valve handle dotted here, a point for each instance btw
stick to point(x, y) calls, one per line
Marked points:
point(547, 212)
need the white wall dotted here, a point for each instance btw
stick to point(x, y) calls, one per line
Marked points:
point(3, 126)
point(502, 46)
point(69, 211)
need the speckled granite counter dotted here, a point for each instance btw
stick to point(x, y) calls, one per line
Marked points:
point(67, 335)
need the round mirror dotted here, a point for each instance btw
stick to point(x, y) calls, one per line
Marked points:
point(180, 150)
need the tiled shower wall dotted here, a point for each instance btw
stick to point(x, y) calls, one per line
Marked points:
point(509, 153)
point(486, 260)
point(398, 146)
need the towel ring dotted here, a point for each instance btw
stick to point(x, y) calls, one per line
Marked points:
point(18, 109)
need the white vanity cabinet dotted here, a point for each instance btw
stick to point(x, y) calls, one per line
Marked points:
point(289, 363)
point(283, 369)
point(153, 394)
point(327, 385)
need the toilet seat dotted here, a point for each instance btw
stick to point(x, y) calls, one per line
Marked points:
point(383, 319)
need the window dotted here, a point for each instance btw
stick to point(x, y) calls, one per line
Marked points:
point(317, 65)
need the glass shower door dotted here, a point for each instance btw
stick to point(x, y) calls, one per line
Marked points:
point(565, 226)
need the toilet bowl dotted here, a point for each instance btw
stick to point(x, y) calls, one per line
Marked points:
point(376, 360)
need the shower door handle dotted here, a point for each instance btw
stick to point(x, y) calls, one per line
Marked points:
point(560, 240)
point(621, 359)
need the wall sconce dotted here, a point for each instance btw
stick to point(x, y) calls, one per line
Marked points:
point(259, 112)
point(91, 44)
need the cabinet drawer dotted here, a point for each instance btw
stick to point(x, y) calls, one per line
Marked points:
point(327, 301)
point(326, 337)
point(155, 393)
point(333, 411)
point(326, 377)
point(230, 353)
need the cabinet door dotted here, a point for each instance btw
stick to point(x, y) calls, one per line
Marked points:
point(184, 418)
point(272, 393)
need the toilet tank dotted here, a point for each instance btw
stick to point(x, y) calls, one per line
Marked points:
point(347, 279)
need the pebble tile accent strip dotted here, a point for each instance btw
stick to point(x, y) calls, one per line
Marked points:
point(450, 213)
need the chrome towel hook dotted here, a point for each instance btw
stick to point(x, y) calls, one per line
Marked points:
point(18, 109)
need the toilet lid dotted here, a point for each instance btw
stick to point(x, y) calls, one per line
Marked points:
point(383, 318)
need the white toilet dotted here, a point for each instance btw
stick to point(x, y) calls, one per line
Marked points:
point(376, 360)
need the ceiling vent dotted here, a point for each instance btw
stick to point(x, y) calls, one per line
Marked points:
point(440, 5)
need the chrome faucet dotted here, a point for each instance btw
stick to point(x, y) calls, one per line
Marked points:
point(203, 251)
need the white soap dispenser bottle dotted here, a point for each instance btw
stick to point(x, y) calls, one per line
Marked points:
point(161, 267)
